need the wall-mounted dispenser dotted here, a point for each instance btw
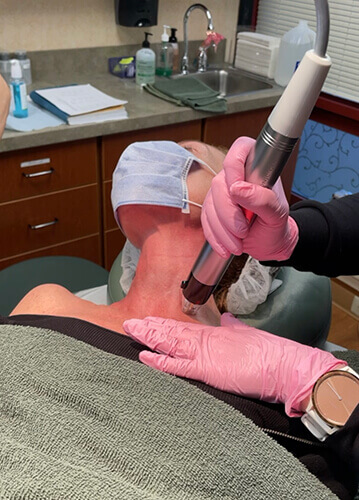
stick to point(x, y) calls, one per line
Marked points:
point(136, 13)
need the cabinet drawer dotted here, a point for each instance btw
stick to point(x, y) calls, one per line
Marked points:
point(36, 171)
point(114, 145)
point(43, 221)
point(87, 248)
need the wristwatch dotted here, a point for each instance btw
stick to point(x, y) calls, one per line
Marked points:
point(334, 398)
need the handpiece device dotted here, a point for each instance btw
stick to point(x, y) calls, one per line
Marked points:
point(270, 152)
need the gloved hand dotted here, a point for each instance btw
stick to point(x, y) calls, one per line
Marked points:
point(272, 236)
point(234, 357)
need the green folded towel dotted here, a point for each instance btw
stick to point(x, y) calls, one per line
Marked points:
point(188, 92)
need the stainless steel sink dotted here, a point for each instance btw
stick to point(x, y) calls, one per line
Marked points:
point(230, 82)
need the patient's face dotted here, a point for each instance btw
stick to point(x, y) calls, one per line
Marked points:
point(198, 182)
point(200, 178)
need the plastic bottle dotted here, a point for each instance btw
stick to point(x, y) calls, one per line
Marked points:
point(173, 40)
point(145, 63)
point(165, 63)
point(5, 66)
point(25, 63)
point(294, 44)
point(18, 91)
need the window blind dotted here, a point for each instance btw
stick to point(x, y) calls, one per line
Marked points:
point(275, 17)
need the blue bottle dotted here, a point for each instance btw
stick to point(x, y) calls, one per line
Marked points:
point(18, 91)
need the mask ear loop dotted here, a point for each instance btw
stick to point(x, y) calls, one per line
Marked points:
point(192, 202)
point(184, 176)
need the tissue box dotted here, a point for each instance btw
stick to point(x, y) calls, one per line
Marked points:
point(124, 67)
point(257, 53)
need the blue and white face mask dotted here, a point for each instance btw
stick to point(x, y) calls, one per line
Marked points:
point(153, 173)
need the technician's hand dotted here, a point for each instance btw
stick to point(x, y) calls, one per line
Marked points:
point(233, 357)
point(272, 236)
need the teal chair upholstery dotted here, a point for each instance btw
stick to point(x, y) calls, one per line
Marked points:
point(300, 309)
point(74, 273)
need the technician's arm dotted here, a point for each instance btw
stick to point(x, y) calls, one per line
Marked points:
point(328, 237)
point(240, 359)
point(4, 103)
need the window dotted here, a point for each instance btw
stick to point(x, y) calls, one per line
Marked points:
point(275, 17)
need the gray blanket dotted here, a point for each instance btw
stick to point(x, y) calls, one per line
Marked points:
point(78, 423)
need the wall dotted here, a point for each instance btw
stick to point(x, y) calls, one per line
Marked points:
point(52, 24)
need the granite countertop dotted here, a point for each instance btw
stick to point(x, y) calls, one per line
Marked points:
point(144, 111)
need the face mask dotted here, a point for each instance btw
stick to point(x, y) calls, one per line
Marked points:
point(153, 173)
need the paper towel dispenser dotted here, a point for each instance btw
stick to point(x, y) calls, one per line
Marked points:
point(136, 13)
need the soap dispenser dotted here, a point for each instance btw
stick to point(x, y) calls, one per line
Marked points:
point(173, 40)
point(165, 62)
point(145, 63)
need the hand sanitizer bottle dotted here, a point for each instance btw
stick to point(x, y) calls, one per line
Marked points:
point(165, 63)
point(18, 91)
point(25, 63)
point(145, 63)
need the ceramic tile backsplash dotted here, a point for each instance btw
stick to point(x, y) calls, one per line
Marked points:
point(51, 25)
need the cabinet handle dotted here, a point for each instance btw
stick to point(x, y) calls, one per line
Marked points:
point(45, 224)
point(37, 174)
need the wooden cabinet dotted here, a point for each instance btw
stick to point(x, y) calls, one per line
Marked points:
point(56, 200)
point(112, 148)
point(224, 130)
point(50, 203)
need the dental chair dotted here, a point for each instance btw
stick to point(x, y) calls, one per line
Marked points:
point(300, 309)
point(74, 273)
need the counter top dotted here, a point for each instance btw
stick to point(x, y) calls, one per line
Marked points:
point(144, 111)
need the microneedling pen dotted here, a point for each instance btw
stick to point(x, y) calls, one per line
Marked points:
point(270, 152)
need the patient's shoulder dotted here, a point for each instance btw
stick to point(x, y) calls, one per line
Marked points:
point(45, 299)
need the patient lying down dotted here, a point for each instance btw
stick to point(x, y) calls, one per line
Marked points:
point(147, 196)
point(158, 190)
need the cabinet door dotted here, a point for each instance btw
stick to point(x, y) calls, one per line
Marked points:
point(224, 130)
point(42, 170)
point(89, 248)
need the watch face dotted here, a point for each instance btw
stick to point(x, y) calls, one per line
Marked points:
point(335, 396)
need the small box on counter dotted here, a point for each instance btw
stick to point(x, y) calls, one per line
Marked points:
point(124, 67)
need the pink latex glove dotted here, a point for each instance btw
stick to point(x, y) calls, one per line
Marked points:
point(234, 357)
point(272, 236)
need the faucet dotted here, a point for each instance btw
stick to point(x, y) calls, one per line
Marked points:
point(184, 65)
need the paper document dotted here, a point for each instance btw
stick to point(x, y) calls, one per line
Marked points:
point(79, 99)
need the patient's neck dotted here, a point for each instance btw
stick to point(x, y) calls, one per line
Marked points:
point(166, 259)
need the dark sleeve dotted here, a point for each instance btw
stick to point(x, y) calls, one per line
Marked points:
point(345, 442)
point(328, 237)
